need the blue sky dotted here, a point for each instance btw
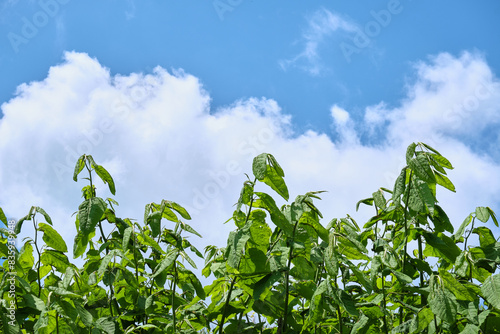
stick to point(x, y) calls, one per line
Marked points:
point(336, 90)
point(236, 50)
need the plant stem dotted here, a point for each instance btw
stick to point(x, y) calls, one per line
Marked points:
point(173, 294)
point(423, 299)
point(226, 305)
point(384, 302)
point(39, 258)
point(405, 239)
point(287, 277)
point(339, 311)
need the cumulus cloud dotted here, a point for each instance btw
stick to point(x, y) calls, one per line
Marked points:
point(320, 26)
point(158, 136)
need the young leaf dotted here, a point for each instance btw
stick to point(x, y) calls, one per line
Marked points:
point(154, 220)
point(462, 227)
point(52, 238)
point(441, 301)
point(259, 166)
point(19, 224)
point(482, 214)
point(491, 290)
point(422, 169)
point(90, 213)
point(430, 148)
point(493, 216)
point(410, 151)
point(399, 185)
point(3, 218)
point(366, 201)
point(166, 262)
point(80, 245)
point(126, 238)
point(444, 181)
point(441, 160)
point(183, 212)
point(79, 167)
point(105, 177)
point(379, 199)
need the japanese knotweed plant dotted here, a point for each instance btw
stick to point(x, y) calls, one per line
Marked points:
point(282, 271)
point(133, 278)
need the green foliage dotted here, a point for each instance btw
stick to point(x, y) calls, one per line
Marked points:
point(282, 270)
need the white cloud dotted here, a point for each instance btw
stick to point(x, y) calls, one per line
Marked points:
point(158, 137)
point(320, 26)
point(344, 126)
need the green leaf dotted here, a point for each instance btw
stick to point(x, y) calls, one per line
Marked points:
point(399, 185)
point(265, 283)
point(106, 324)
point(460, 291)
point(259, 166)
point(126, 238)
point(444, 181)
point(276, 182)
point(3, 219)
point(56, 259)
point(441, 160)
point(80, 245)
point(410, 151)
point(105, 177)
point(379, 199)
point(363, 280)
point(85, 315)
point(482, 213)
point(441, 220)
point(486, 237)
point(107, 259)
point(422, 169)
point(79, 167)
point(425, 194)
point(421, 320)
point(470, 329)
point(267, 202)
point(166, 262)
point(52, 238)
point(331, 257)
point(308, 218)
point(236, 246)
point(441, 301)
point(19, 224)
point(462, 227)
point(183, 212)
point(443, 244)
point(90, 213)
point(493, 216)
point(45, 215)
point(34, 302)
point(403, 278)
point(266, 169)
point(63, 292)
point(154, 220)
point(189, 229)
point(491, 290)
point(366, 201)
point(430, 148)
